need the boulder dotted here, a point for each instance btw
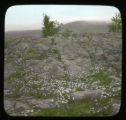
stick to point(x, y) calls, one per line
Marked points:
point(80, 95)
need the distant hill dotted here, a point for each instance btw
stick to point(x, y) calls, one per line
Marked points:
point(75, 26)
point(87, 26)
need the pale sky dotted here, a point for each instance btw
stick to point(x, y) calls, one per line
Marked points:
point(28, 17)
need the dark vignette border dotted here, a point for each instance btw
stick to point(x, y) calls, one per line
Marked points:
point(4, 5)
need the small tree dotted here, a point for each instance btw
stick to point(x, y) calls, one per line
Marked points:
point(116, 25)
point(50, 27)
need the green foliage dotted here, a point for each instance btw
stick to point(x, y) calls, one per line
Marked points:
point(42, 55)
point(57, 52)
point(103, 76)
point(75, 109)
point(82, 78)
point(74, 35)
point(31, 51)
point(72, 39)
point(89, 39)
point(15, 75)
point(79, 89)
point(67, 33)
point(86, 42)
point(82, 43)
point(116, 25)
point(36, 93)
point(66, 77)
point(50, 27)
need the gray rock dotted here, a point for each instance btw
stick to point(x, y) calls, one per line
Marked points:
point(77, 65)
point(43, 103)
point(80, 95)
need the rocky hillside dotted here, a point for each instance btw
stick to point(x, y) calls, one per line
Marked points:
point(46, 73)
